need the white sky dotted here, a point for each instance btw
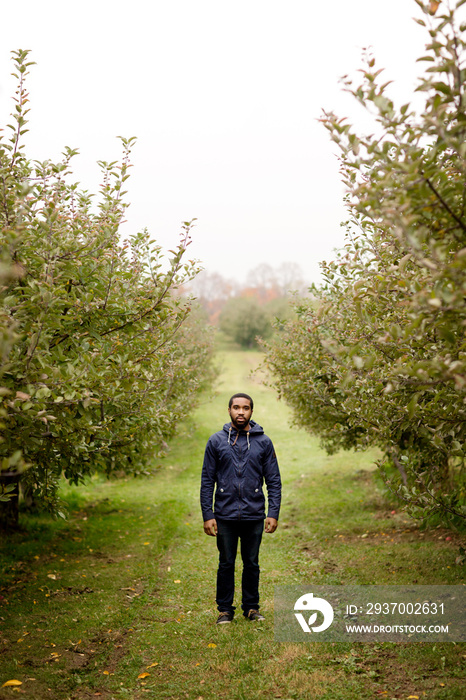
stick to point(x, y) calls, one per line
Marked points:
point(223, 97)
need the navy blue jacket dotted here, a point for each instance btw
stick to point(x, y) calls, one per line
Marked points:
point(238, 465)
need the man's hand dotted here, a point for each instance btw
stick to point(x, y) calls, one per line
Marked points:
point(270, 524)
point(210, 527)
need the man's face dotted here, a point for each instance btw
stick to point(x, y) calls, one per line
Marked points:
point(240, 413)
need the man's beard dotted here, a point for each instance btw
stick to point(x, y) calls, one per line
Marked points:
point(240, 426)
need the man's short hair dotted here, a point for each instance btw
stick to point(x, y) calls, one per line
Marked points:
point(241, 395)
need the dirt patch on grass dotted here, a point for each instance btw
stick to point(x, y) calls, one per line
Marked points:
point(115, 641)
point(70, 590)
point(406, 534)
point(32, 689)
point(85, 693)
point(395, 678)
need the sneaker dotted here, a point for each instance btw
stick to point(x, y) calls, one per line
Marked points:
point(254, 615)
point(225, 616)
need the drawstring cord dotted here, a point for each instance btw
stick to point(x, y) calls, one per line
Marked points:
point(236, 438)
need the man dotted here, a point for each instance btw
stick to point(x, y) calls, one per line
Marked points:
point(238, 459)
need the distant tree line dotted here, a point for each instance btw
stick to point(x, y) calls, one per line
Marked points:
point(252, 310)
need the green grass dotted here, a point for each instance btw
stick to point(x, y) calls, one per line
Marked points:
point(126, 586)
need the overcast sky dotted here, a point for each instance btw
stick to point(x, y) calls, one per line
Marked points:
point(224, 98)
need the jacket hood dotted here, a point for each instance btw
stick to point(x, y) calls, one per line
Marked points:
point(253, 428)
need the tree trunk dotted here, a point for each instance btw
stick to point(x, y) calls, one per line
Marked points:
point(400, 466)
point(9, 509)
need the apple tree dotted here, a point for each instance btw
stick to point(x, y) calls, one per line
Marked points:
point(378, 357)
point(106, 356)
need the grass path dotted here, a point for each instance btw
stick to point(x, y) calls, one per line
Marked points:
point(118, 602)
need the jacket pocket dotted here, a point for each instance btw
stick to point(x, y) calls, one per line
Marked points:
point(225, 504)
point(255, 499)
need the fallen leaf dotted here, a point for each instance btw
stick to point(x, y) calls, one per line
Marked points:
point(12, 682)
point(146, 543)
point(156, 663)
point(144, 675)
point(413, 697)
point(177, 581)
point(211, 645)
point(52, 576)
point(106, 673)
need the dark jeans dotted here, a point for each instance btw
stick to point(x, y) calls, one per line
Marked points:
point(250, 534)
